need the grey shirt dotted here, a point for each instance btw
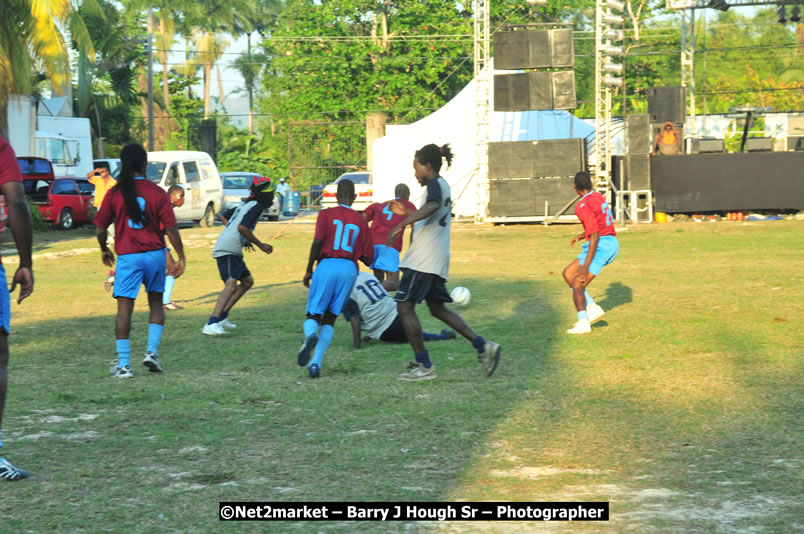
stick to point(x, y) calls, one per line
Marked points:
point(370, 302)
point(231, 241)
point(429, 252)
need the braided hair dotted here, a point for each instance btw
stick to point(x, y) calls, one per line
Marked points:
point(133, 158)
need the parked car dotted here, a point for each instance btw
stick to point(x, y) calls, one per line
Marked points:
point(63, 201)
point(197, 174)
point(236, 188)
point(363, 190)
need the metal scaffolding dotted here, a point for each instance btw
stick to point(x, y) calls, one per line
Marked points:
point(482, 74)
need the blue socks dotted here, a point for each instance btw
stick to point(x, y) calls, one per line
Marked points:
point(589, 300)
point(310, 327)
point(478, 343)
point(1, 436)
point(224, 315)
point(583, 315)
point(123, 352)
point(424, 359)
point(324, 339)
point(168, 293)
point(433, 337)
point(154, 337)
point(213, 320)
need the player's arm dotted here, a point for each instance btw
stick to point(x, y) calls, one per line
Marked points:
point(246, 232)
point(102, 221)
point(351, 311)
point(225, 215)
point(583, 269)
point(430, 207)
point(175, 241)
point(19, 219)
point(315, 252)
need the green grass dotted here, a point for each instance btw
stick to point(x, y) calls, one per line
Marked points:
point(683, 408)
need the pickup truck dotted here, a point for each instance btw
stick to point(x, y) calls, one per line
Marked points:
point(63, 201)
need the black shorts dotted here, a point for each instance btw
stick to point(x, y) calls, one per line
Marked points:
point(231, 266)
point(395, 333)
point(417, 286)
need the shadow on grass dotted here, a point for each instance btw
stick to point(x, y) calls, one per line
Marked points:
point(617, 294)
point(355, 434)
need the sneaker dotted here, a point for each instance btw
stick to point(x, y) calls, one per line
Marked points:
point(595, 313)
point(307, 349)
point(315, 371)
point(108, 284)
point(173, 306)
point(214, 329)
point(122, 372)
point(226, 323)
point(11, 473)
point(152, 362)
point(489, 357)
point(582, 326)
point(418, 372)
point(449, 333)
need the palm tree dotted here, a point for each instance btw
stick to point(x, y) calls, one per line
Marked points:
point(32, 36)
point(208, 50)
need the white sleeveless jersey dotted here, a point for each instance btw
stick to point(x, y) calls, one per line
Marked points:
point(429, 252)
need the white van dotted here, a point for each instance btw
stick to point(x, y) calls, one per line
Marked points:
point(197, 174)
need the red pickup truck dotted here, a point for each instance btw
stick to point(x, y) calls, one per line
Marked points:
point(64, 201)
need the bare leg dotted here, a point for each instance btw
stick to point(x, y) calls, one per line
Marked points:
point(411, 325)
point(245, 284)
point(391, 283)
point(157, 310)
point(578, 290)
point(455, 321)
point(125, 306)
point(229, 288)
point(3, 372)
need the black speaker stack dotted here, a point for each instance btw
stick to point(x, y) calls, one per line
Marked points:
point(636, 175)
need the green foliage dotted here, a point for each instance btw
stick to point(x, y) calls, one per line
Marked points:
point(185, 108)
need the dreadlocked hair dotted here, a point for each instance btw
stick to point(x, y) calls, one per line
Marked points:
point(433, 154)
point(133, 158)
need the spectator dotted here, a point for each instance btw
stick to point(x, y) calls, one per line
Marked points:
point(668, 141)
point(282, 191)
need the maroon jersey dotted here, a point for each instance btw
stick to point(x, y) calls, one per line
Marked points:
point(345, 234)
point(131, 237)
point(383, 220)
point(595, 214)
point(9, 172)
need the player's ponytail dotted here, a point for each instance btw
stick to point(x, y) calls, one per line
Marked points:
point(133, 158)
point(433, 154)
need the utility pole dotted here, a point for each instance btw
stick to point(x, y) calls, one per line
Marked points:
point(150, 81)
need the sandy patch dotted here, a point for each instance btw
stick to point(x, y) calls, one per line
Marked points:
point(540, 472)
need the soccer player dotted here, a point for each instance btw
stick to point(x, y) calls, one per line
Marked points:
point(383, 220)
point(19, 219)
point(425, 267)
point(142, 215)
point(341, 238)
point(600, 249)
point(176, 194)
point(238, 232)
point(371, 309)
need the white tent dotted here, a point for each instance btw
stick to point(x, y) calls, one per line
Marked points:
point(455, 123)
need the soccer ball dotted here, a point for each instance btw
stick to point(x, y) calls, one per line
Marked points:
point(461, 296)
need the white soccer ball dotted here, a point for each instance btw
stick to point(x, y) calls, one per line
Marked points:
point(460, 296)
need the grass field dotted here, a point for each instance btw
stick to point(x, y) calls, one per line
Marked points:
point(683, 408)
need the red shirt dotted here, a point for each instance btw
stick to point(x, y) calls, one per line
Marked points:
point(345, 234)
point(595, 214)
point(385, 220)
point(129, 238)
point(9, 168)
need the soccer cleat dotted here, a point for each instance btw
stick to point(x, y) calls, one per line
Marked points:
point(214, 329)
point(417, 372)
point(307, 349)
point(226, 323)
point(448, 333)
point(11, 473)
point(122, 372)
point(315, 371)
point(108, 284)
point(582, 326)
point(152, 362)
point(173, 306)
point(595, 313)
point(489, 357)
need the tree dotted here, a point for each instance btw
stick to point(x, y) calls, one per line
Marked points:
point(32, 39)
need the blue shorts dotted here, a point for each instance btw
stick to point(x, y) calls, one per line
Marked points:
point(607, 249)
point(333, 281)
point(231, 266)
point(134, 270)
point(385, 258)
point(5, 303)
